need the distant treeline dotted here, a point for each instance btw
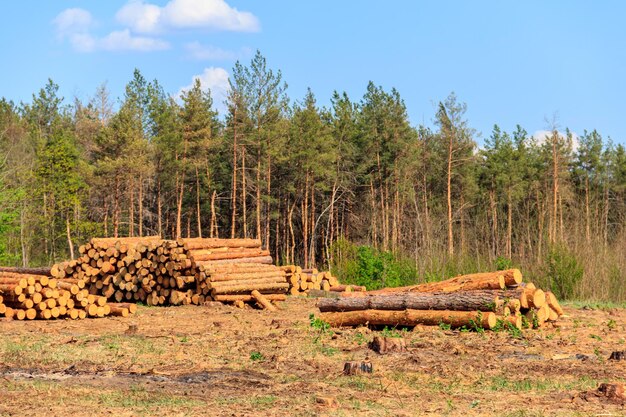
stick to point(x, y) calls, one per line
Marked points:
point(310, 181)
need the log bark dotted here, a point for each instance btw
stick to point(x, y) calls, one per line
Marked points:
point(458, 301)
point(259, 259)
point(244, 282)
point(253, 253)
point(248, 275)
point(278, 287)
point(246, 297)
point(199, 243)
point(29, 271)
point(410, 318)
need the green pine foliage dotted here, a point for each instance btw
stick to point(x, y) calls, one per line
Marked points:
point(354, 186)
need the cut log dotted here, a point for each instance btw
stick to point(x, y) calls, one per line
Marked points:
point(410, 318)
point(248, 288)
point(259, 259)
point(244, 282)
point(262, 301)
point(202, 243)
point(29, 271)
point(553, 303)
point(458, 301)
point(245, 297)
point(247, 254)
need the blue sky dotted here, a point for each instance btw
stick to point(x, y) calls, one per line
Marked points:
point(511, 62)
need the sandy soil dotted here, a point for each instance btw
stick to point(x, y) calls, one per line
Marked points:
point(221, 361)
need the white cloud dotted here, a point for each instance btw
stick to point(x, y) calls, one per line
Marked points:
point(72, 21)
point(145, 17)
point(197, 51)
point(139, 16)
point(74, 24)
point(215, 79)
point(123, 41)
point(541, 136)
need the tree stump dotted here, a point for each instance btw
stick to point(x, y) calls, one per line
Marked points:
point(357, 368)
point(383, 345)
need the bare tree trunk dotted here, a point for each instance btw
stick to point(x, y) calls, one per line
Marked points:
point(292, 234)
point(268, 208)
point(159, 209)
point(258, 192)
point(449, 199)
point(509, 225)
point(233, 221)
point(555, 187)
point(305, 221)
point(69, 236)
point(462, 221)
point(131, 215)
point(179, 207)
point(116, 208)
point(214, 229)
point(494, 222)
point(587, 219)
point(373, 216)
point(312, 224)
point(541, 221)
point(198, 212)
point(22, 237)
point(243, 193)
point(140, 205)
point(106, 218)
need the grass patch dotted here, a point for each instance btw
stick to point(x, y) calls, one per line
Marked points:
point(504, 383)
point(594, 305)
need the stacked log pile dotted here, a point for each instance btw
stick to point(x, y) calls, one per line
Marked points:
point(29, 296)
point(484, 300)
point(237, 271)
point(302, 280)
point(147, 269)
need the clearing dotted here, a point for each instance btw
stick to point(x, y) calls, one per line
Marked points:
point(219, 360)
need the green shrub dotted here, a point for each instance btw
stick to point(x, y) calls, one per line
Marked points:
point(563, 272)
point(368, 266)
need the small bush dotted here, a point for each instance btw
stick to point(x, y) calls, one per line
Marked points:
point(563, 272)
point(373, 268)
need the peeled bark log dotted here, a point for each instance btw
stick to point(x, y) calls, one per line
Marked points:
point(263, 301)
point(248, 275)
point(457, 301)
point(554, 303)
point(244, 282)
point(246, 297)
point(253, 253)
point(200, 243)
point(410, 318)
point(258, 260)
point(279, 287)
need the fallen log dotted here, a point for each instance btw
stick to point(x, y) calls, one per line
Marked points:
point(263, 301)
point(458, 301)
point(410, 318)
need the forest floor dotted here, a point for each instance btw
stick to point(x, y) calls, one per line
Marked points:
point(218, 360)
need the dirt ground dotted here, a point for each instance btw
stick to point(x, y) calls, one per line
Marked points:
point(221, 361)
